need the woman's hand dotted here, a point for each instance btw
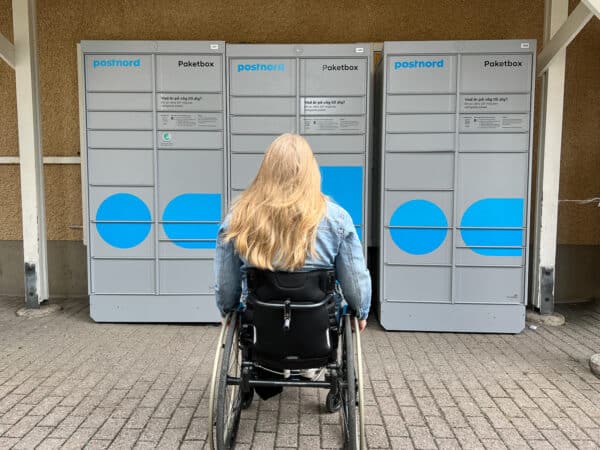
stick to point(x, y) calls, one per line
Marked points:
point(362, 324)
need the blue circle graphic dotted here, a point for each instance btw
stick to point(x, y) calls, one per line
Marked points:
point(420, 223)
point(192, 220)
point(114, 220)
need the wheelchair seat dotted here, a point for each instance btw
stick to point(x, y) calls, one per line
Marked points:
point(290, 320)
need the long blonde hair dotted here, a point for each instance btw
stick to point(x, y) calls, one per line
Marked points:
point(274, 222)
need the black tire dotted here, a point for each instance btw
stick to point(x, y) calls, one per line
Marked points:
point(333, 402)
point(247, 398)
point(229, 396)
point(348, 393)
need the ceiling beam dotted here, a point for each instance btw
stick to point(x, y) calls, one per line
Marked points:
point(7, 51)
point(580, 16)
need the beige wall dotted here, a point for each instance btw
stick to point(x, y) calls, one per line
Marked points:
point(63, 23)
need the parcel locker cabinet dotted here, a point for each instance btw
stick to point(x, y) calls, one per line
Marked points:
point(321, 91)
point(153, 129)
point(456, 121)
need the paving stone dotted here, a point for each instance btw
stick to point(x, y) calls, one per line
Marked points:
point(145, 386)
point(306, 442)
point(404, 397)
point(139, 418)
point(376, 437)
point(97, 418)
point(171, 438)
point(51, 444)
point(401, 443)
point(585, 445)
point(372, 415)
point(126, 438)
point(245, 431)
point(412, 415)
point(467, 438)
point(289, 413)
point(454, 416)
point(145, 445)
point(557, 439)
point(395, 426)
point(493, 444)
point(97, 444)
point(33, 438)
point(56, 416)
point(512, 438)
point(331, 436)
point(482, 428)
point(267, 421)
point(8, 442)
point(109, 429)
point(264, 440)
point(438, 427)
point(22, 427)
point(181, 418)
point(79, 438)
point(540, 444)
point(447, 444)
point(154, 429)
point(287, 435)
point(45, 406)
point(309, 424)
point(198, 430)
point(67, 427)
point(195, 445)
point(16, 413)
point(527, 429)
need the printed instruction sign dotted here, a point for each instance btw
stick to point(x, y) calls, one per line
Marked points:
point(333, 125)
point(333, 105)
point(189, 121)
point(494, 122)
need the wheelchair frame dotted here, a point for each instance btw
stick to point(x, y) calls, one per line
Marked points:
point(233, 379)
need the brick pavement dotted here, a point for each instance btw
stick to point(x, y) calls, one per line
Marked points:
point(66, 382)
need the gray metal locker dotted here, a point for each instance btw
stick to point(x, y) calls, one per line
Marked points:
point(455, 165)
point(321, 91)
point(153, 146)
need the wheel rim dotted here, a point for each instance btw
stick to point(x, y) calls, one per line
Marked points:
point(348, 393)
point(230, 398)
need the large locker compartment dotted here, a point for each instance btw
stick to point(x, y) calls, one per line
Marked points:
point(455, 158)
point(154, 177)
point(321, 91)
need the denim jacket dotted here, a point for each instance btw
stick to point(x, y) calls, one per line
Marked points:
point(337, 246)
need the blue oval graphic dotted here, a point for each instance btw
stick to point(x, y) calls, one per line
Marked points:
point(417, 216)
point(491, 215)
point(122, 208)
point(343, 184)
point(202, 211)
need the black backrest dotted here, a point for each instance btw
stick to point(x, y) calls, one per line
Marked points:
point(293, 317)
point(304, 287)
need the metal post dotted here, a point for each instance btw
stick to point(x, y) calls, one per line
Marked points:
point(30, 152)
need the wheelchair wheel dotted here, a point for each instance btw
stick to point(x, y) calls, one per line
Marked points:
point(348, 392)
point(229, 396)
point(361, 393)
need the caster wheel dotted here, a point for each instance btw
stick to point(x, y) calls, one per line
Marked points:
point(247, 399)
point(333, 402)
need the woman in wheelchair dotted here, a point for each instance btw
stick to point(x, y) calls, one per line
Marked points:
point(291, 282)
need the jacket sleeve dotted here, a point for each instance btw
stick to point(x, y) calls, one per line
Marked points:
point(228, 280)
point(351, 270)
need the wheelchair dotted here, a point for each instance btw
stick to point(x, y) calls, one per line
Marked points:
point(290, 323)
